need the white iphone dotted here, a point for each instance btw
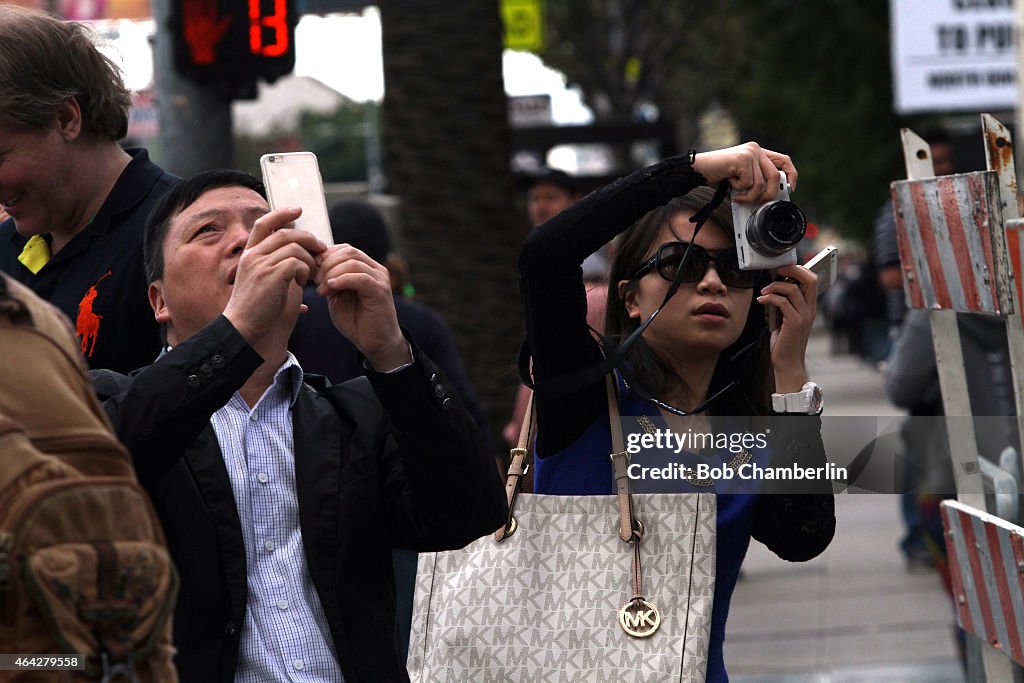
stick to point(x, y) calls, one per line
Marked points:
point(293, 179)
point(825, 265)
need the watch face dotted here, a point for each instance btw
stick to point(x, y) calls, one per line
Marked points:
point(816, 398)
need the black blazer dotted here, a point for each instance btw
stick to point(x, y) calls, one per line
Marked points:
point(389, 460)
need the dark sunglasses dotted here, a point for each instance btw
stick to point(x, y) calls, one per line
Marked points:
point(669, 257)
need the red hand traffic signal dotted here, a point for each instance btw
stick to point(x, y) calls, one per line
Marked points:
point(233, 41)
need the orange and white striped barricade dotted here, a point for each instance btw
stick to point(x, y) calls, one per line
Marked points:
point(986, 563)
point(960, 248)
point(948, 230)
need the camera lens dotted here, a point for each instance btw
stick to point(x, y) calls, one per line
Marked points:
point(776, 227)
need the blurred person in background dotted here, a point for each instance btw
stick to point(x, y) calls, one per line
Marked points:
point(864, 309)
point(843, 325)
point(549, 192)
point(912, 382)
point(76, 201)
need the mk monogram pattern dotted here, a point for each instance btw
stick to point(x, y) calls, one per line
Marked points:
point(543, 605)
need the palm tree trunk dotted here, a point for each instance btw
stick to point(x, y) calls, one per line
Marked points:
point(446, 156)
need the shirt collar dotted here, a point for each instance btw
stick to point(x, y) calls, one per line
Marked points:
point(132, 187)
point(290, 377)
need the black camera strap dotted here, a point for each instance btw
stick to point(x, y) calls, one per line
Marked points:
point(564, 385)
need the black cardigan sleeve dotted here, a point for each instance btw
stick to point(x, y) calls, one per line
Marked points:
point(163, 407)
point(553, 294)
point(796, 519)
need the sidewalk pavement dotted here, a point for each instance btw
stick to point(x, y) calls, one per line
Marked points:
point(855, 614)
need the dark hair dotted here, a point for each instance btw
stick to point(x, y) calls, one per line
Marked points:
point(644, 367)
point(552, 176)
point(936, 135)
point(360, 224)
point(45, 62)
point(179, 198)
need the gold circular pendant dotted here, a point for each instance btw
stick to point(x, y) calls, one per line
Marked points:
point(639, 618)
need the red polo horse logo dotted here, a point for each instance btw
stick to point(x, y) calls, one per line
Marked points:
point(88, 324)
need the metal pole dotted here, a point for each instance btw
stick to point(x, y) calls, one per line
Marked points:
point(997, 139)
point(1018, 26)
point(374, 167)
point(195, 120)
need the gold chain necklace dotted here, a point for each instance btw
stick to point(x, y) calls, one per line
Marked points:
point(742, 458)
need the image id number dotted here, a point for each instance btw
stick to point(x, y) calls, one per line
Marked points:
point(17, 662)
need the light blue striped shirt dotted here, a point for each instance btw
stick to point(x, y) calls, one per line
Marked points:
point(285, 636)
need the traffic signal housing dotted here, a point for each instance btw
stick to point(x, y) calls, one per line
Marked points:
point(233, 41)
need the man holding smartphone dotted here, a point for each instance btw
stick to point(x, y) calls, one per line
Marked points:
point(281, 499)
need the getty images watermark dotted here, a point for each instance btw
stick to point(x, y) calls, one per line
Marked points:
point(892, 454)
point(742, 466)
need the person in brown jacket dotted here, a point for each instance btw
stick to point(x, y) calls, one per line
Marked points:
point(85, 576)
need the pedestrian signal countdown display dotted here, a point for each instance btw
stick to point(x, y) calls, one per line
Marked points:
point(231, 41)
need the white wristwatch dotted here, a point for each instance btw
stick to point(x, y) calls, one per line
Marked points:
point(809, 401)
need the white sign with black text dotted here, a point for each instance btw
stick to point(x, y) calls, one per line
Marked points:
point(953, 55)
point(529, 110)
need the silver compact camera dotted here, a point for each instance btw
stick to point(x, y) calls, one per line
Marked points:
point(767, 234)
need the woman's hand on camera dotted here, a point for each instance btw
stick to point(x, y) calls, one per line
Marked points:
point(750, 169)
point(796, 298)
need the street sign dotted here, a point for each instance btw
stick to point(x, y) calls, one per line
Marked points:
point(953, 55)
point(524, 24)
point(530, 110)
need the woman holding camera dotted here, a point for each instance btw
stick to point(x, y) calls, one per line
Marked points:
point(706, 355)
